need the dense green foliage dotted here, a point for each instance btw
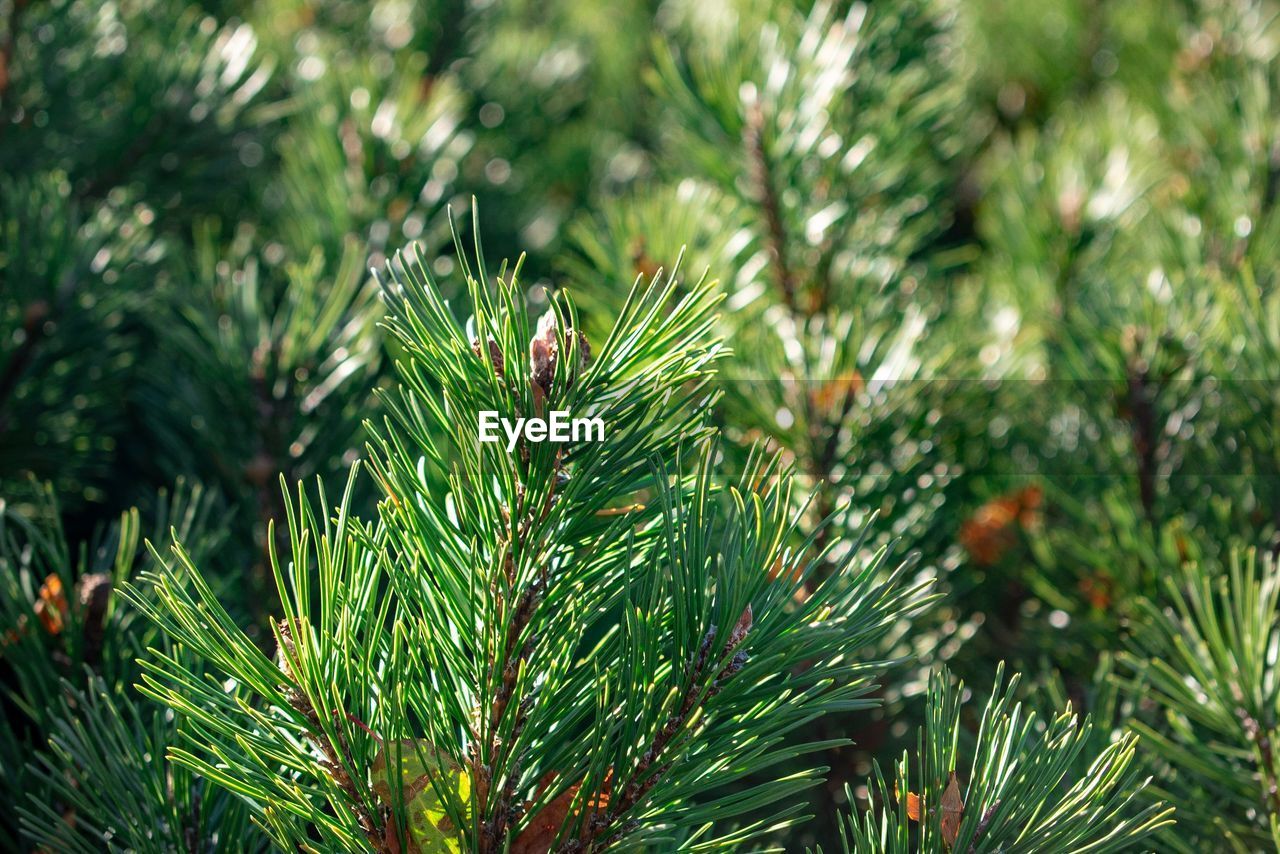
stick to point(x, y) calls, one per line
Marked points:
point(930, 335)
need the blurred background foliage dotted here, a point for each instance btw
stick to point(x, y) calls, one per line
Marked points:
point(1000, 280)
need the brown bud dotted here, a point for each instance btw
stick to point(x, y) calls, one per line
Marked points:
point(584, 349)
point(287, 650)
point(543, 352)
point(829, 398)
point(495, 354)
point(740, 629)
point(992, 530)
point(35, 314)
point(640, 260)
point(51, 606)
point(1071, 205)
point(93, 592)
point(259, 470)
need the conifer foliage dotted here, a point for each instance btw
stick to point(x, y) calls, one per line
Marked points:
point(568, 647)
point(936, 349)
point(1018, 789)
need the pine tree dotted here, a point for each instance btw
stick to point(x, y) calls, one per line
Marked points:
point(112, 142)
point(70, 658)
point(1013, 793)
point(568, 646)
point(809, 158)
point(1201, 661)
point(983, 369)
point(106, 779)
point(73, 305)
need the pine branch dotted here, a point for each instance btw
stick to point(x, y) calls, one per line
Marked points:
point(458, 619)
point(337, 757)
point(120, 170)
point(646, 776)
point(512, 662)
point(1199, 660)
point(1016, 790)
point(1260, 739)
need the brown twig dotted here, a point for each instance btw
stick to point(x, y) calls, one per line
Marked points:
point(507, 810)
point(983, 824)
point(514, 655)
point(648, 772)
point(270, 462)
point(191, 828)
point(337, 758)
point(1261, 740)
point(762, 177)
point(1142, 426)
